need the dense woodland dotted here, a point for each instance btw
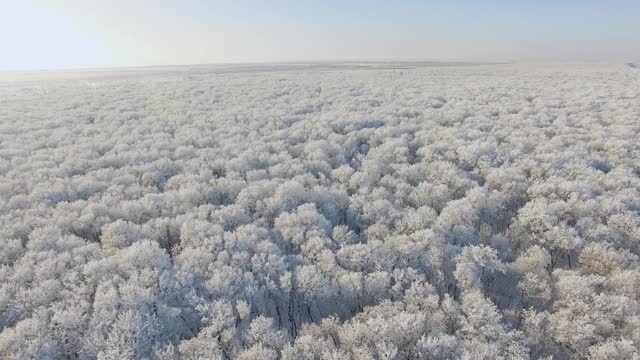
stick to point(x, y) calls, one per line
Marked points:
point(476, 212)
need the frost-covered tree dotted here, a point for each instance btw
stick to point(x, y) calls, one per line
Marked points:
point(477, 212)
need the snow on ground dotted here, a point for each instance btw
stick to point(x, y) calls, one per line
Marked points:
point(327, 211)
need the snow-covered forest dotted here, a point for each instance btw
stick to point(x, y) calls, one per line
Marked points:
point(360, 212)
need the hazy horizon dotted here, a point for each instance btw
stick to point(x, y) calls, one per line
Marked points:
point(312, 62)
point(70, 34)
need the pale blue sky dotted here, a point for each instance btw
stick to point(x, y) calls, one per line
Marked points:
point(36, 34)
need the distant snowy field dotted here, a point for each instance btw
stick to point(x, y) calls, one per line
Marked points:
point(327, 211)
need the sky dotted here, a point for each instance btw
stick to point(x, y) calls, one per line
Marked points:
point(60, 34)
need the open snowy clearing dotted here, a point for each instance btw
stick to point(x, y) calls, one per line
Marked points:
point(326, 211)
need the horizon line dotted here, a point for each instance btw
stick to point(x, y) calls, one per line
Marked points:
point(305, 62)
